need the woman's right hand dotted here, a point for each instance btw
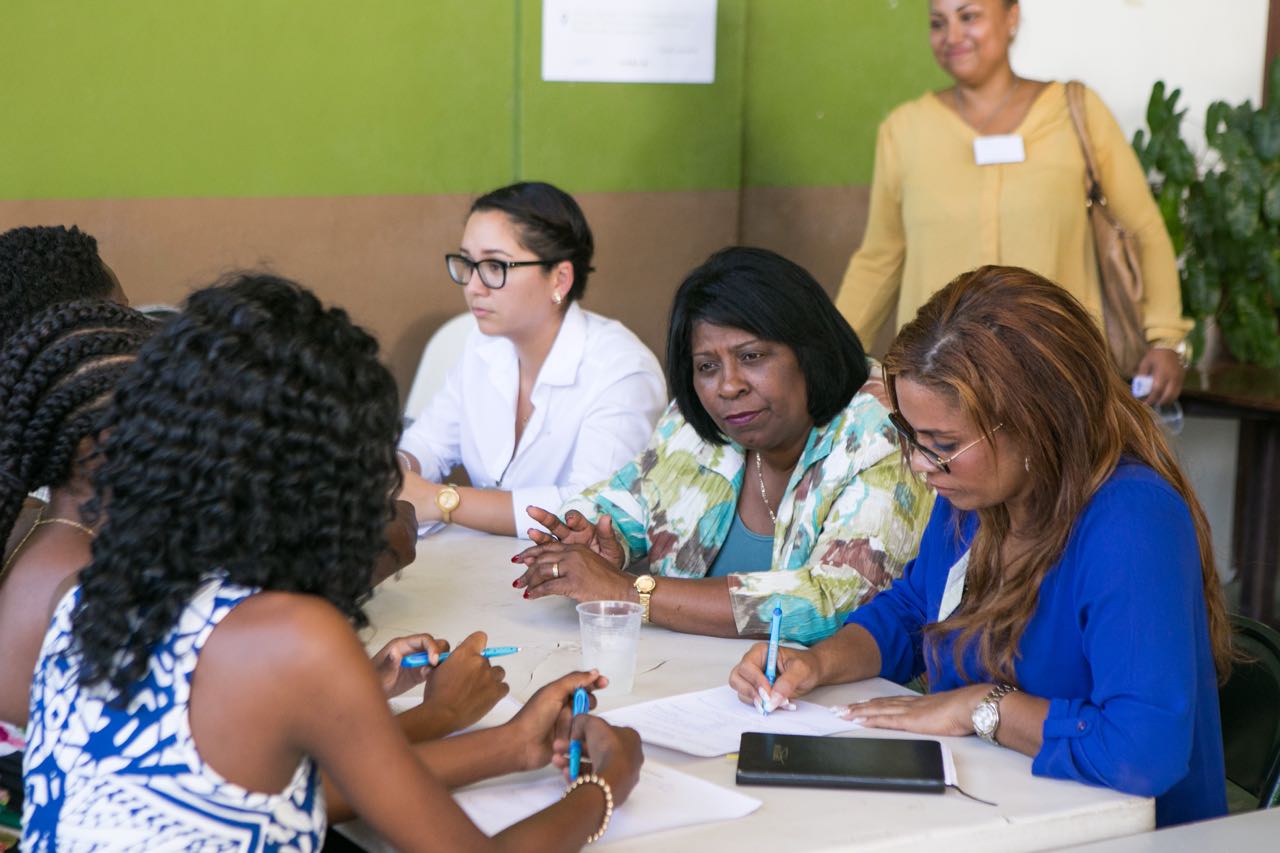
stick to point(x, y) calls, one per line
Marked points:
point(576, 530)
point(614, 752)
point(465, 686)
point(798, 673)
point(547, 714)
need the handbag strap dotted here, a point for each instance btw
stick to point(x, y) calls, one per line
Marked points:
point(1075, 106)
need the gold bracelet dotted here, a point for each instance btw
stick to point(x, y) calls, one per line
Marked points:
point(593, 779)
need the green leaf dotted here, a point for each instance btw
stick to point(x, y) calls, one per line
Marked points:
point(1196, 300)
point(1239, 211)
point(1271, 275)
point(1271, 198)
point(1158, 112)
point(1214, 118)
point(1265, 134)
point(1180, 164)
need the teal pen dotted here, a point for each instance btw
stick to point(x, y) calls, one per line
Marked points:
point(423, 659)
point(580, 706)
point(771, 663)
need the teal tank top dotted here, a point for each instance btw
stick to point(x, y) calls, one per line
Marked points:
point(743, 551)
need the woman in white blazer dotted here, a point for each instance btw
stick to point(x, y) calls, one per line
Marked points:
point(546, 398)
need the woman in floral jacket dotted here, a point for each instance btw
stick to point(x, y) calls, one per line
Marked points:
point(771, 481)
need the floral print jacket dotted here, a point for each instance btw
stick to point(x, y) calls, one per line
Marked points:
point(848, 523)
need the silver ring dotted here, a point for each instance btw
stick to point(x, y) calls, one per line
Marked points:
point(555, 570)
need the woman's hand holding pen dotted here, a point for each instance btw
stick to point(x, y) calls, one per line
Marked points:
point(614, 753)
point(395, 678)
point(574, 571)
point(464, 687)
point(576, 530)
point(546, 717)
point(798, 673)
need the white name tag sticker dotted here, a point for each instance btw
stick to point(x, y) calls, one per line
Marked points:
point(993, 150)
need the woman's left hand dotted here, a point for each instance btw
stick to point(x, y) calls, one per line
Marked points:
point(1165, 370)
point(395, 678)
point(949, 713)
point(574, 571)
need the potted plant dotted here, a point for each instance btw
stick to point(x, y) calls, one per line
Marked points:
point(1223, 216)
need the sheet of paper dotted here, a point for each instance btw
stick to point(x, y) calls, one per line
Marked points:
point(629, 41)
point(665, 798)
point(948, 766)
point(711, 722)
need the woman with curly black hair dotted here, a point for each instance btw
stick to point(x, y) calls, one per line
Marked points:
point(56, 376)
point(247, 479)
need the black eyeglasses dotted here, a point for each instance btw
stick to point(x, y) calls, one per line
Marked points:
point(908, 434)
point(493, 272)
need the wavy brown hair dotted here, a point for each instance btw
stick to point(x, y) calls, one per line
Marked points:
point(1011, 347)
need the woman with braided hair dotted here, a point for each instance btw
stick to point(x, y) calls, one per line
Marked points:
point(243, 491)
point(56, 376)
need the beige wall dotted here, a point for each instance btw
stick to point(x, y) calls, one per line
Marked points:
point(381, 256)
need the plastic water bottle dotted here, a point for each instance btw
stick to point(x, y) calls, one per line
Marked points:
point(1169, 416)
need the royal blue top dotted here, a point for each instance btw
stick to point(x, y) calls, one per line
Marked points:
point(1118, 644)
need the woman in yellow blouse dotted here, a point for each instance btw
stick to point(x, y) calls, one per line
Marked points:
point(936, 212)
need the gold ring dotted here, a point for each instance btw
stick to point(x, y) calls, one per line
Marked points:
point(555, 570)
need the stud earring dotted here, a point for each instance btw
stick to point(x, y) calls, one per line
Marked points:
point(556, 297)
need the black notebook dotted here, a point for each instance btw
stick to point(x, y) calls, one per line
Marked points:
point(878, 764)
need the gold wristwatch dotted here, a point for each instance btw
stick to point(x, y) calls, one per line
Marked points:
point(1182, 349)
point(447, 499)
point(644, 586)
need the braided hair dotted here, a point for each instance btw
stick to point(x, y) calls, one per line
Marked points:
point(56, 376)
point(47, 265)
point(253, 440)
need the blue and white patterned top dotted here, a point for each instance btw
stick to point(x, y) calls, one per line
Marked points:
point(99, 777)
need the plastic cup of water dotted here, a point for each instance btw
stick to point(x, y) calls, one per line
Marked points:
point(610, 640)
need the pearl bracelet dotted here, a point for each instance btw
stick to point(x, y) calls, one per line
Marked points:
point(593, 779)
point(404, 457)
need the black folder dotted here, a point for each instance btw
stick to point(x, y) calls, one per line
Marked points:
point(880, 764)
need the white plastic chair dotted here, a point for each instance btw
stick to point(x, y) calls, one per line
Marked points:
point(438, 358)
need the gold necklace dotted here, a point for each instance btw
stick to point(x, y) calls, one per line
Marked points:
point(979, 128)
point(764, 496)
point(40, 522)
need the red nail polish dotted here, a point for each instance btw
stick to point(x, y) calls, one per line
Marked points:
point(515, 584)
point(526, 593)
point(515, 559)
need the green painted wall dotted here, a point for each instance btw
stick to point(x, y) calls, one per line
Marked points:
point(820, 76)
point(143, 98)
point(253, 98)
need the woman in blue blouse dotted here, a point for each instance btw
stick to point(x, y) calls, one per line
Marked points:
point(1064, 602)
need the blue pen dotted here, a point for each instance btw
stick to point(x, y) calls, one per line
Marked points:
point(580, 706)
point(771, 663)
point(423, 659)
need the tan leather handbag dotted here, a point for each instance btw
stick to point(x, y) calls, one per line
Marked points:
point(1119, 265)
